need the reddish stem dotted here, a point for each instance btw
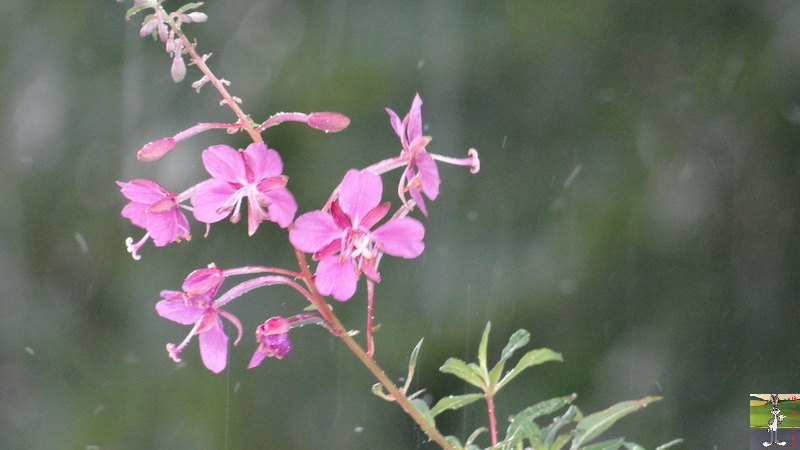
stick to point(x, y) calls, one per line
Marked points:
point(370, 315)
point(492, 418)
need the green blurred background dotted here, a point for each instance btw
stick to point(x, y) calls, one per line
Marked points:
point(636, 210)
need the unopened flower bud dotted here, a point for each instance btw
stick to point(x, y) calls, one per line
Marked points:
point(329, 122)
point(153, 151)
point(178, 70)
point(197, 17)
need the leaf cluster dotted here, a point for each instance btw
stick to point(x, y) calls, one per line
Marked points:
point(569, 429)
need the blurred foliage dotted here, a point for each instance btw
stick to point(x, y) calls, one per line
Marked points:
point(636, 210)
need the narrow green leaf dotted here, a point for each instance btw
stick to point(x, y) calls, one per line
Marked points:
point(494, 375)
point(188, 6)
point(561, 441)
point(422, 407)
point(546, 407)
point(521, 427)
point(559, 422)
point(633, 446)
point(594, 424)
point(412, 365)
point(377, 389)
point(475, 435)
point(613, 444)
point(454, 402)
point(468, 372)
point(669, 444)
point(517, 340)
point(454, 442)
point(133, 11)
point(482, 348)
point(531, 358)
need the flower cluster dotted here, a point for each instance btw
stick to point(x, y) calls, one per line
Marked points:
point(348, 236)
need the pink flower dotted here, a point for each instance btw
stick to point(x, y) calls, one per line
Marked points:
point(273, 340)
point(194, 306)
point(254, 173)
point(421, 174)
point(343, 242)
point(156, 210)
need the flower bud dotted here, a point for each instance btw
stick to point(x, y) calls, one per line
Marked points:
point(197, 17)
point(329, 122)
point(153, 151)
point(178, 70)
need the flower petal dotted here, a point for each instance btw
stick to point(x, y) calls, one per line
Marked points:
point(414, 129)
point(313, 231)
point(263, 162)
point(214, 347)
point(401, 237)
point(177, 310)
point(359, 193)
point(428, 175)
point(225, 164)
point(282, 206)
point(336, 278)
point(209, 197)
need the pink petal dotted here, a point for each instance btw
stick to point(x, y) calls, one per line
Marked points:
point(414, 129)
point(136, 213)
point(416, 195)
point(375, 216)
point(335, 278)
point(401, 237)
point(313, 231)
point(263, 162)
point(258, 356)
point(143, 191)
point(214, 347)
point(167, 227)
point(176, 310)
point(225, 164)
point(397, 125)
point(209, 197)
point(359, 193)
point(428, 174)
point(282, 207)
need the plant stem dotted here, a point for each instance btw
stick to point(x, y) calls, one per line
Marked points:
point(199, 61)
point(492, 417)
point(339, 330)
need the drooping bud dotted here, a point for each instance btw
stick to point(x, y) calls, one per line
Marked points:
point(153, 151)
point(178, 70)
point(329, 122)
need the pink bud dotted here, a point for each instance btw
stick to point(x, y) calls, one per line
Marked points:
point(329, 122)
point(197, 17)
point(178, 70)
point(155, 150)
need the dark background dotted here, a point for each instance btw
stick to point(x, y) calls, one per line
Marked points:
point(636, 210)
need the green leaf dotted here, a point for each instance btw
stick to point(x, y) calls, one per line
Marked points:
point(470, 373)
point(531, 358)
point(546, 407)
point(669, 444)
point(613, 444)
point(133, 11)
point(189, 6)
point(454, 402)
point(454, 442)
point(594, 424)
point(377, 389)
point(475, 435)
point(482, 348)
point(521, 427)
point(412, 365)
point(422, 407)
point(517, 340)
point(494, 375)
point(560, 441)
point(633, 446)
point(560, 422)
